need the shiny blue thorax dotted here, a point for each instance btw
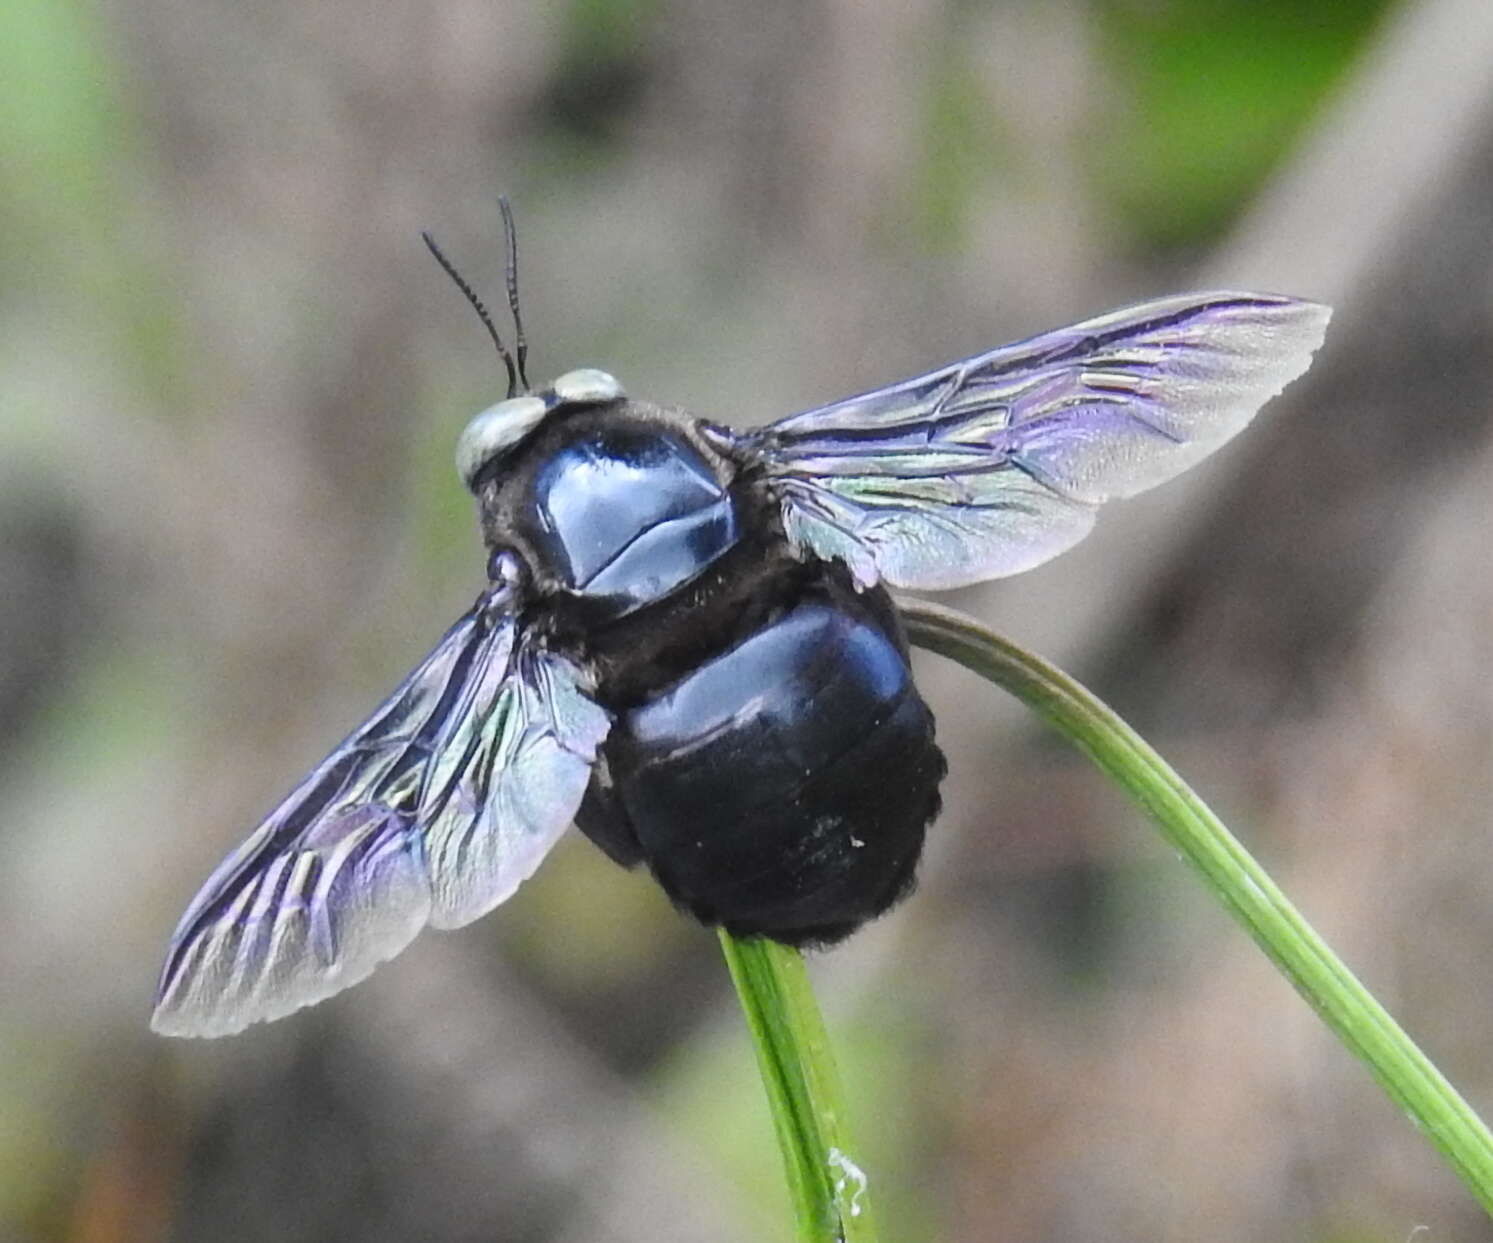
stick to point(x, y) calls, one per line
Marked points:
point(625, 515)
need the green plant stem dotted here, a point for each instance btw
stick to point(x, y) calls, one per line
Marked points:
point(1360, 1022)
point(803, 1091)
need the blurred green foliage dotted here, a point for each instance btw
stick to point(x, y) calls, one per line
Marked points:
point(1212, 93)
point(962, 144)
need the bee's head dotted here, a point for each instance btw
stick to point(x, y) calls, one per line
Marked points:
point(500, 427)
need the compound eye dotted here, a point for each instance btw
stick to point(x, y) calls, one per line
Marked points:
point(496, 430)
point(586, 387)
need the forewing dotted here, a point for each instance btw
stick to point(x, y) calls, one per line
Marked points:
point(992, 465)
point(341, 876)
point(510, 772)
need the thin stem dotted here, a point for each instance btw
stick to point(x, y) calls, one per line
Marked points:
point(1360, 1022)
point(825, 1184)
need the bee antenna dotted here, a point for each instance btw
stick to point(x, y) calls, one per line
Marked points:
point(510, 240)
point(481, 310)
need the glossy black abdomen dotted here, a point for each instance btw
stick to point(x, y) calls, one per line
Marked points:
point(770, 758)
point(783, 787)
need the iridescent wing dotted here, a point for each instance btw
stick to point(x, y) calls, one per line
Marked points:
point(992, 465)
point(432, 812)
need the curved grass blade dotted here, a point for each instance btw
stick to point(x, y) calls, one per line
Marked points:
point(825, 1184)
point(1246, 891)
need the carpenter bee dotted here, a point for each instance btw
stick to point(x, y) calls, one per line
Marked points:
point(685, 644)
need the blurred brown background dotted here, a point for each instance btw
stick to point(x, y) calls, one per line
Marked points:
point(231, 384)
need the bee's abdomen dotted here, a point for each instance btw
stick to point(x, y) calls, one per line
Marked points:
point(782, 788)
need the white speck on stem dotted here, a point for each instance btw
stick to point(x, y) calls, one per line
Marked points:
point(1248, 882)
point(848, 1172)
